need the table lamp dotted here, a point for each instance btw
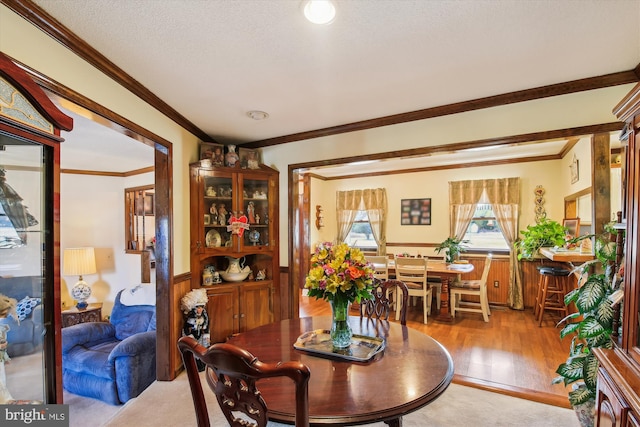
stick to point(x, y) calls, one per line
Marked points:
point(79, 261)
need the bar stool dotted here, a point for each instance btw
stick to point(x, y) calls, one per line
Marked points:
point(553, 286)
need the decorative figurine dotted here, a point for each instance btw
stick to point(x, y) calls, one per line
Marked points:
point(222, 215)
point(251, 213)
point(261, 275)
point(196, 319)
point(231, 158)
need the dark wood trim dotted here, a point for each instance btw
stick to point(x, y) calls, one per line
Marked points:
point(165, 302)
point(184, 277)
point(102, 173)
point(447, 167)
point(529, 138)
point(48, 24)
point(592, 83)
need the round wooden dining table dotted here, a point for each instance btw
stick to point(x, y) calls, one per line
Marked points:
point(411, 371)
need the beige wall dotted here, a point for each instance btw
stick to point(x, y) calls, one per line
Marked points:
point(434, 185)
point(557, 113)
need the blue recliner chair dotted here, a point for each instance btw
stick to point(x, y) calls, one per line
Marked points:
point(113, 361)
point(26, 336)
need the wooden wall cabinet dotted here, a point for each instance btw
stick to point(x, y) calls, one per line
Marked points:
point(618, 399)
point(221, 196)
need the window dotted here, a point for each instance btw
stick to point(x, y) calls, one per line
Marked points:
point(484, 231)
point(360, 235)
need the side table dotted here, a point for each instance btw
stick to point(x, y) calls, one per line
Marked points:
point(73, 316)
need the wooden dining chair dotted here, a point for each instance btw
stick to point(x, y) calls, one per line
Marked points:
point(380, 266)
point(413, 272)
point(478, 288)
point(380, 306)
point(232, 373)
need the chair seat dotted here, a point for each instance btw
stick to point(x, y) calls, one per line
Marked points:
point(467, 284)
point(412, 285)
point(554, 271)
point(474, 288)
point(92, 360)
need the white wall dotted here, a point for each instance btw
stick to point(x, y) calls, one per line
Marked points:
point(92, 214)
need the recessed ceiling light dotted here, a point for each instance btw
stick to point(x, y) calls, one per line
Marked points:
point(319, 11)
point(257, 115)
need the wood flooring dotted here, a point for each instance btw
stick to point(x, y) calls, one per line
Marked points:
point(510, 354)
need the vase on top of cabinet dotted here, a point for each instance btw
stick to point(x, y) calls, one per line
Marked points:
point(234, 216)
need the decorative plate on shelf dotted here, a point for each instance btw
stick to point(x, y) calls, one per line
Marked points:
point(213, 239)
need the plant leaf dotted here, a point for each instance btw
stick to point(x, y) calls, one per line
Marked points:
point(591, 293)
point(581, 395)
point(590, 370)
point(590, 327)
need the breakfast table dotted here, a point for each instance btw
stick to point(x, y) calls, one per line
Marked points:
point(410, 371)
point(447, 273)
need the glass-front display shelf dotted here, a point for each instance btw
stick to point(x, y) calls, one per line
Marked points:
point(219, 209)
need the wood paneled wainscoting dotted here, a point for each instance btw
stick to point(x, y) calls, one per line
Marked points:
point(531, 276)
point(181, 285)
point(500, 273)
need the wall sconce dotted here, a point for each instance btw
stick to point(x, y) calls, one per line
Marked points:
point(319, 217)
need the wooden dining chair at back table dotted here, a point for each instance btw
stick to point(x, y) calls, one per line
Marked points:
point(232, 373)
point(413, 272)
point(380, 306)
point(380, 266)
point(471, 287)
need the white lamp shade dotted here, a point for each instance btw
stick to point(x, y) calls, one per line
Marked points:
point(79, 261)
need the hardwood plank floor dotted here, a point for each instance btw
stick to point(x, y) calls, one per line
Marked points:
point(510, 354)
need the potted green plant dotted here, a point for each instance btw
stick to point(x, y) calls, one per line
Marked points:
point(591, 326)
point(544, 233)
point(453, 248)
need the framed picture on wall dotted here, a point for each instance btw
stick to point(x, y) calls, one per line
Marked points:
point(415, 212)
point(572, 225)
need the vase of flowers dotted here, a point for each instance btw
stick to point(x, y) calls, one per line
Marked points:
point(341, 275)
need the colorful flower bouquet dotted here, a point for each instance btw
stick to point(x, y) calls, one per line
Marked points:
point(341, 275)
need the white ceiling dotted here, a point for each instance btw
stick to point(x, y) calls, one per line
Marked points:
point(212, 61)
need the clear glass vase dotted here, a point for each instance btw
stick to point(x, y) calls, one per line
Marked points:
point(340, 330)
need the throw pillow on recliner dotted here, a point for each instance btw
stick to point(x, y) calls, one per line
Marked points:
point(132, 323)
point(25, 306)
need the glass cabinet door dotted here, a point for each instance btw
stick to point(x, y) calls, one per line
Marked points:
point(25, 302)
point(217, 199)
point(255, 206)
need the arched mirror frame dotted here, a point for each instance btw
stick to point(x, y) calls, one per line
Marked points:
point(49, 138)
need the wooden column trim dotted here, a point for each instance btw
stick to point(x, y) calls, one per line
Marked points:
point(601, 187)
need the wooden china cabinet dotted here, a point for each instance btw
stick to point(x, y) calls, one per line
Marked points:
point(234, 215)
point(618, 399)
point(30, 128)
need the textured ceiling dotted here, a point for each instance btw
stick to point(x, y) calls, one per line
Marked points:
point(212, 61)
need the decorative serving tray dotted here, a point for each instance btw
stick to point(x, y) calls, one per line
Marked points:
point(362, 347)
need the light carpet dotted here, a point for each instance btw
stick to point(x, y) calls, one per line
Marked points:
point(168, 403)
